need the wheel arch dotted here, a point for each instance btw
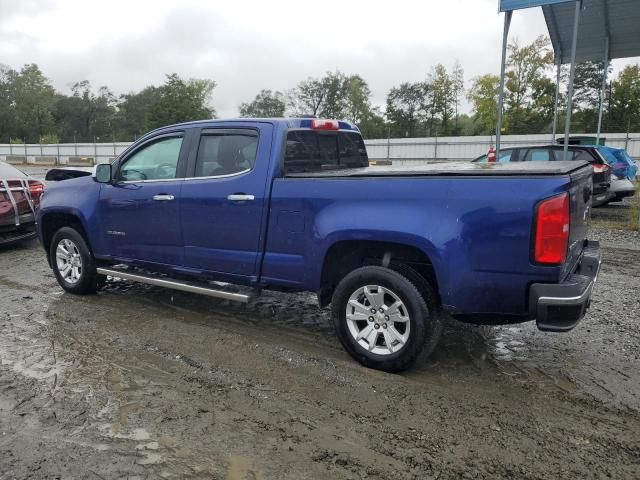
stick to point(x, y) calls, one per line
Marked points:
point(51, 222)
point(346, 255)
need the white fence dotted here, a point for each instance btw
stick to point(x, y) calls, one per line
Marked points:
point(397, 150)
point(61, 154)
point(415, 150)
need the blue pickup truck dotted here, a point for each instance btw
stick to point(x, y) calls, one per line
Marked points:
point(293, 205)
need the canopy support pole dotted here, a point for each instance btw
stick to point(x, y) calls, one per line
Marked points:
point(505, 37)
point(572, 74)
point(557, 99)
point(603, 87)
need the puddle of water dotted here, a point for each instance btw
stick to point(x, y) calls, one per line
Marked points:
point(23, 349)
point(150, 459)
point(243, 468)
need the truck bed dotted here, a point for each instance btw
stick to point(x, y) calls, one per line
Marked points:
point(453, 169)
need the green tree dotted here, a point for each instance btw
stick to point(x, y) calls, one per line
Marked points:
point(307, 98)
point(527, 86)
point(457, 78)
point(587, 83)
point(129, 121)
point(340, 96)
point(179, 100)
point(586, 95)
point(483, 96)
point(32, 101)
point(7, 117)
point(356, 104)
point(266, 104)
point(86, 116)
point(322, 97)
point(625, 99)
point(373, 125)
point(406, 109)
point(443, 99)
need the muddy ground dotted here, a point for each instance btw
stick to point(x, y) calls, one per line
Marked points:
point(140, 382)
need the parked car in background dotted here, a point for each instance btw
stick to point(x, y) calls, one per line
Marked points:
point(66, 173)
point(623, 172)
point(292, 205)
point(19, 199)
point(548, 153)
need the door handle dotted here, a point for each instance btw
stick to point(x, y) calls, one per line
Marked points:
point(240, 197)
point(163, 197)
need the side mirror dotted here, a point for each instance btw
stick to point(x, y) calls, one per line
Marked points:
point(103, 173)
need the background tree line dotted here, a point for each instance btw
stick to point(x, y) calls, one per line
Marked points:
point(32, 111)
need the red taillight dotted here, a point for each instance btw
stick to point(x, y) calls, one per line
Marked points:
point(36, 189)
point(322, 124)
point(600, 168)
point(552, 230)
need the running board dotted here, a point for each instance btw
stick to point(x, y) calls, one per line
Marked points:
point(174, 284)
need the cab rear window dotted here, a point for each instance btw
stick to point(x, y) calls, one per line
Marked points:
point(309, 151)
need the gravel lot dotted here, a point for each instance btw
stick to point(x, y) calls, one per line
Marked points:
point(141, 382)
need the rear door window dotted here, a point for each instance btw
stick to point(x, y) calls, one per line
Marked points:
point(226, 153)
point(582, 155)
point(309, 151)
point(537, 155)
point(505, 156)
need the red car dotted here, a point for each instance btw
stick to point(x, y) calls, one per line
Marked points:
point(19, 199)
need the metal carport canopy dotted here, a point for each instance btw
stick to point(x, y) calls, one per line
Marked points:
point(619, 20)
point(580, 30)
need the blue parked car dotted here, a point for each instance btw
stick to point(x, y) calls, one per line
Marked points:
point(602, 176)
point(623, 172)
point(292, 204)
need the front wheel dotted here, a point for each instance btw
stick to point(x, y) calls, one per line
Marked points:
point(384, 317)
point(73, 263)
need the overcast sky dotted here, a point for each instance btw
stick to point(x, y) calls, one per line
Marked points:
point(248, 45)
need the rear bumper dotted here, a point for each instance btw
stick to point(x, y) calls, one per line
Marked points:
point(558, 307)
point(622, 188)
point(602, 198)
point(625, 194)
point(19, 234)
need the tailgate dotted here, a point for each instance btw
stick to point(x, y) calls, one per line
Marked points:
point(580, 190)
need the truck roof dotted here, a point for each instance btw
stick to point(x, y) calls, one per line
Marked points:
point(288, 122)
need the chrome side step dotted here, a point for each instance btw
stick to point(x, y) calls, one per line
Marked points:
point(173, 284)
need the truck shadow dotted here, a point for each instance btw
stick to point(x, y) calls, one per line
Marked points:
point(463, 348)
point(294, 323)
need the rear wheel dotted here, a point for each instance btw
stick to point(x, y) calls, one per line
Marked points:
point(384, 317)
point(73, 263)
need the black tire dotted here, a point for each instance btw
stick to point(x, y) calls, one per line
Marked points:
point(88, 281)
point(421, 306)
point(433, 304)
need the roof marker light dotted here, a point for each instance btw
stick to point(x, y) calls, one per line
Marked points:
point(322, 124)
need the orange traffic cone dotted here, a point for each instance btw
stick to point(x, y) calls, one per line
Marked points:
point(492, 155)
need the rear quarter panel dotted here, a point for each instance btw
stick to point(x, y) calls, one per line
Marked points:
point(476, 231)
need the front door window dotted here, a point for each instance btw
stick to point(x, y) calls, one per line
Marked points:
point(158, 161)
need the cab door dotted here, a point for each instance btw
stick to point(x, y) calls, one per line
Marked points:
point(141, 207)
point(224, 202)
